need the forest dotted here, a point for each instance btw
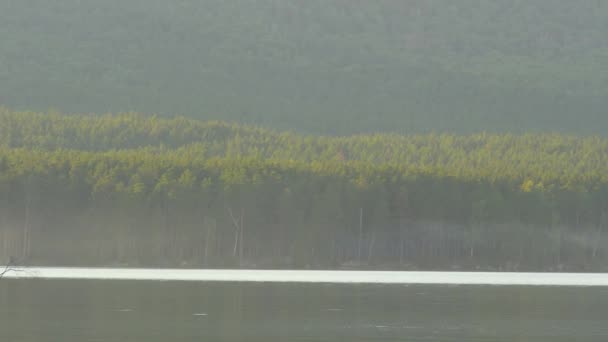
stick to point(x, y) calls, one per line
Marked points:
point(317, 66)
point(138, 190)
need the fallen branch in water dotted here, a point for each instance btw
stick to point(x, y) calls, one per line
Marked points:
point(10, 267)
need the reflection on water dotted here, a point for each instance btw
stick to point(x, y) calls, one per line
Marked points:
point(89, 310)
point(317, 276)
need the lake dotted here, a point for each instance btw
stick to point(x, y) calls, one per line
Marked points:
point(71, 310)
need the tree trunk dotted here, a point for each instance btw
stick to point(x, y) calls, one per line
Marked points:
point(598, 237)
point(360, 234)
point(370, 251)
point(207, 225)
point(401, 244)
point(242, 238)
point(237, 232)
point(26, 229)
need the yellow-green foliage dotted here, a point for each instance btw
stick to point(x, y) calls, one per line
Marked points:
point(303, 188)
point(529, 163)
point(441, 175)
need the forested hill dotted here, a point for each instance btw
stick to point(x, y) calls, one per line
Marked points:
point(151, 191)
point(316, 66)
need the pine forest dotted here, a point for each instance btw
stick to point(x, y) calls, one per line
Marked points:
point(138, 190)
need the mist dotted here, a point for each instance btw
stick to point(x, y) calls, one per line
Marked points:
point(312, 170)
point(305, 134)
point(319, 67)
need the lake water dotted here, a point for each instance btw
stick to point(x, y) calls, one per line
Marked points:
point(70, 310)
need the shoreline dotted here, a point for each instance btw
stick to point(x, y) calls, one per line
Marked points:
point(309, 276)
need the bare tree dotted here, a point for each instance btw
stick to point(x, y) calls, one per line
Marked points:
point(238, 237)
point(360, 247)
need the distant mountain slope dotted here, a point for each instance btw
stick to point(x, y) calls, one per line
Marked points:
point(319, 66)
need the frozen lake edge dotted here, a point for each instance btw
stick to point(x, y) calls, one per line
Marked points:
point(297, 276)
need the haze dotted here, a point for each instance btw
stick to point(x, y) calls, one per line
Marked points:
point(320, 67)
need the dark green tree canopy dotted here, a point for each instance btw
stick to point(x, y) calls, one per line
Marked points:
point(318, 66)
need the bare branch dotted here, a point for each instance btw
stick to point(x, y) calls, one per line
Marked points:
point(10, 267)
point(7, 268)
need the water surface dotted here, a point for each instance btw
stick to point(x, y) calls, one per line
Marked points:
point(34, 310)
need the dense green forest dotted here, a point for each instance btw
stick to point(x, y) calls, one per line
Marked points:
point(141, 190)
point(317, 66)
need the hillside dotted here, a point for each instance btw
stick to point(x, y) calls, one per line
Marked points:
point(319, 67)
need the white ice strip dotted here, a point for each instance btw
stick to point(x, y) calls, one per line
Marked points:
point(293, 276)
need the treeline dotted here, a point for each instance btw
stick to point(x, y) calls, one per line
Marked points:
point(543, 162)
point(147, 191)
